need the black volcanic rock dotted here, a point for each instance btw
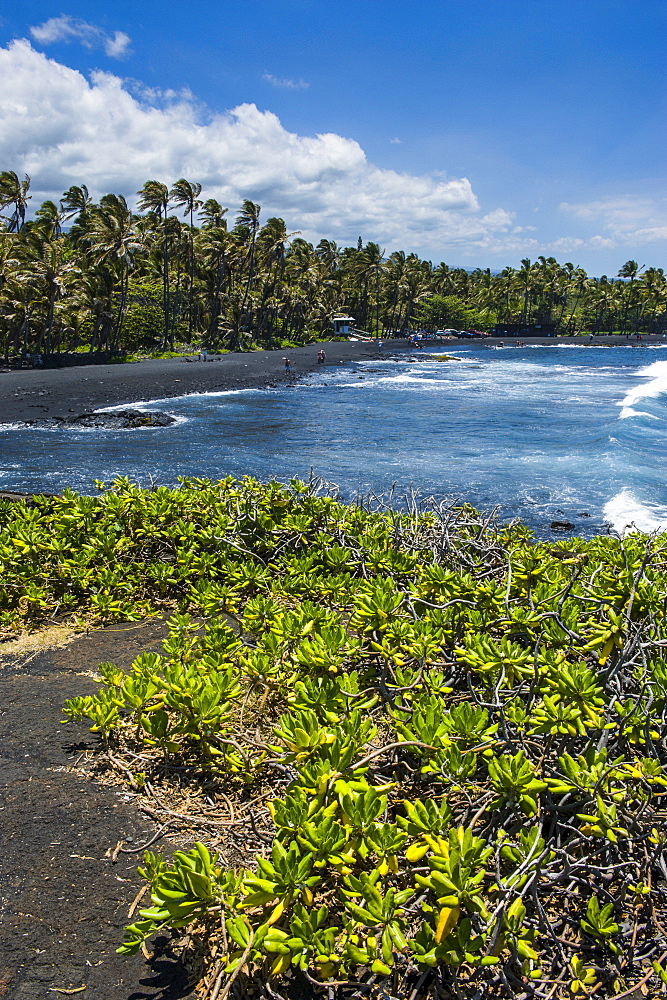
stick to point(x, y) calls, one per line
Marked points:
point(115, 419)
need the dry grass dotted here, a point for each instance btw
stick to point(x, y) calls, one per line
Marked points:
point(31, 643)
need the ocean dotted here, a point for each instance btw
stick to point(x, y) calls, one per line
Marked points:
point(571, 433)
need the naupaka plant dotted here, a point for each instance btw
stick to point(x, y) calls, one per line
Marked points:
point(443, 739)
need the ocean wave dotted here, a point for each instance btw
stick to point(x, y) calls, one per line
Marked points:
point(212, 393)
point(125, 406)
point(625, 511)
point(423, 382)
point(627, 412)
point(142, 404)
point(654, 386)
point(43, 428)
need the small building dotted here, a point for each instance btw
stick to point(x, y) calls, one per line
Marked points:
point(524, 330)
point(343, 325)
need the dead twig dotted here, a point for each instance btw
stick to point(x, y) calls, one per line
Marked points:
point(156, 836)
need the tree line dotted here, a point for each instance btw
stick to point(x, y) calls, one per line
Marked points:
point(99, 276)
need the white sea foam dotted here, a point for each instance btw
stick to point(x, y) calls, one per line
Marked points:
point(124, 406)
point(202, 395)
point(142, 404)
point(625, 512)
point(655, 386)
point(424, 383)
point(26, 427)
point(627, 411)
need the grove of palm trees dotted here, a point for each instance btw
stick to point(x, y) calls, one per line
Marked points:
point(96, 276)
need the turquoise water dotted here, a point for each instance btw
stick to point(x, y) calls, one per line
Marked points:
point(544, 433)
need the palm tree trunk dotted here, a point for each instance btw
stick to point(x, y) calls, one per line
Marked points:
point(165, 280)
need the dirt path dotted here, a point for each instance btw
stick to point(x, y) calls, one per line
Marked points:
point(63, 902)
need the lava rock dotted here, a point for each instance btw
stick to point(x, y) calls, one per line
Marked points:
point(561, 525)
point(123, 419)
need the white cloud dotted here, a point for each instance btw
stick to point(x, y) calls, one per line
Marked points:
point(285, 84)
point(117, 45)
point(395, 141)
point(626, 221)
point(68, 29)
point(157, 96)
point(573, 244)
point(63, 129)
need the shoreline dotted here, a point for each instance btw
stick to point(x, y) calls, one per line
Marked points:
point(58, 393)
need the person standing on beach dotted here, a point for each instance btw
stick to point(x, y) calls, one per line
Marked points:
point(288, 365)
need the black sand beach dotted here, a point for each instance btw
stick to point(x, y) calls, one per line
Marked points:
point(62, 392)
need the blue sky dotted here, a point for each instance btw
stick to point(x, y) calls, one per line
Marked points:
point(475, 132)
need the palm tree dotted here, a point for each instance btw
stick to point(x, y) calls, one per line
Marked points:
point(154, 197)
point(48, 219)
point(10, 263)
point(51, 267)
point(394, 273)
point(362, 268)
point(653, 292)
point(524, 279)
point(213, 214)
point(271, 246)
point(14, 192)
point(581, 283)
point(442, 279)
point(329, 253)
point(115, 243)
point(185, 194)
point(248, 220)
point(215, 248)
point(629, 272)
point(76, 201)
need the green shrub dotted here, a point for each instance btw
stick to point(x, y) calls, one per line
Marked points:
point(472, 723)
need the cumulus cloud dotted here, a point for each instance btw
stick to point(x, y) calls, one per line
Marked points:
point(73, 29)
point(64, 129)
point(284, 83)
point(626, 221)
point(572, 244)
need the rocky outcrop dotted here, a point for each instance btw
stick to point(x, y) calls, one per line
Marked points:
point(109, 419)
point(114, 419)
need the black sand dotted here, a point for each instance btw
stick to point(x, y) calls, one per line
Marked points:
point(63, 900)
point(62, 392)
